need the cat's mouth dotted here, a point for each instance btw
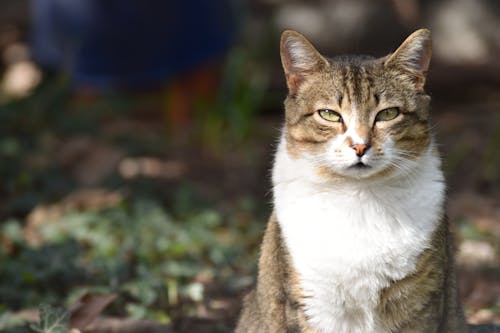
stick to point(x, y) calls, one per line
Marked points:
point(360, 165)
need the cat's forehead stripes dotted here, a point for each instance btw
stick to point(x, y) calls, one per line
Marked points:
point(356, 95)
point(354, 77)
point(356, 83)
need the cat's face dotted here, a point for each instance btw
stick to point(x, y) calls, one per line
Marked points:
point(356, 117)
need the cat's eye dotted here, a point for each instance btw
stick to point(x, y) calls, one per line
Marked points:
point(330, 115)
point(387, 114)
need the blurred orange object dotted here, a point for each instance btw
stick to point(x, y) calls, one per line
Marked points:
point(186, 92)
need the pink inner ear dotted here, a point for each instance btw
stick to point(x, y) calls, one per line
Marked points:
point(425, 56)
point(293, 82)
point(294, 74)
point(415, 57)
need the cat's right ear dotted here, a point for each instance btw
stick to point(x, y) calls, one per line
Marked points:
point(414, 56)
point(299, 59)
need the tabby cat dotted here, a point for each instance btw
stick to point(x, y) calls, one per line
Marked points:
point(358, 241)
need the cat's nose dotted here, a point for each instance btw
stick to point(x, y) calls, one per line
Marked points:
point(360, 148)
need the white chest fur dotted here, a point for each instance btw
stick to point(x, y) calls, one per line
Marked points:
point(349, 240)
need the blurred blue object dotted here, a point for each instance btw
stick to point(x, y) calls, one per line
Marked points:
point(130, 43)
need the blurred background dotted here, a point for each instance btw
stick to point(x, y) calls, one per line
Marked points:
point(136, 141)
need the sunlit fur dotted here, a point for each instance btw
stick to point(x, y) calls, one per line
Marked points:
point(358, 242)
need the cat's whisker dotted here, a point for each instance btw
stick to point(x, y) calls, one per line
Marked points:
point(408, 153)
point(404, 171)
point(405, 166)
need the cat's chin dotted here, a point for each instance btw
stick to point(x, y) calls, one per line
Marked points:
point(359, 170)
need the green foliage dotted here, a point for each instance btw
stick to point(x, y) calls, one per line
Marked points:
point(161, 249)
point(11, 323)
point(230, 119)
point(52, 320)
point(27, 135)
point(135, 249)
point(36, 275)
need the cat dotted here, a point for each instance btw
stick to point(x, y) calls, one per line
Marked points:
point(358, 241)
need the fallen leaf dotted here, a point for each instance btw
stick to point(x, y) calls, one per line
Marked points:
point(87, 309)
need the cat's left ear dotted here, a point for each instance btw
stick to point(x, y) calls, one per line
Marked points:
point(414, 56)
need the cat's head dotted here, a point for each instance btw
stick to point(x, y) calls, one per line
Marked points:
point(357, 116)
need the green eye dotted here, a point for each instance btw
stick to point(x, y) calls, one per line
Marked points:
point(330, 115)
point(387, 114)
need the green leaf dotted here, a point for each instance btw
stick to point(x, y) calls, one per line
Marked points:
point(52, 320)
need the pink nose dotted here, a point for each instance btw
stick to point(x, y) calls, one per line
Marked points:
point(360, 148)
